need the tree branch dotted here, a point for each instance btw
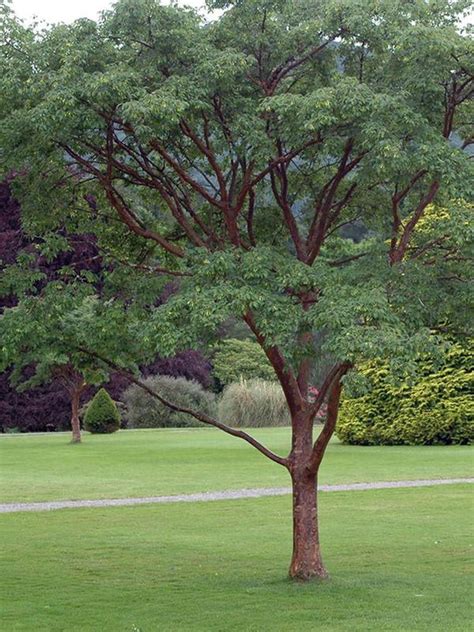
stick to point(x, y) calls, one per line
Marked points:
point(281, 71)
point(323, 218)
point(124, 212)
point(326, 433)
point(397, 251)
point(281, 197)
point(205, 419)
point(286, 158)
point(285, 376)
point(337, 371)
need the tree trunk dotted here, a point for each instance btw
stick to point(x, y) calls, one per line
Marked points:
point(306, 562)
point(75, 422)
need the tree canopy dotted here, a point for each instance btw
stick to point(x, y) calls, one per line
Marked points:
point(236, 151)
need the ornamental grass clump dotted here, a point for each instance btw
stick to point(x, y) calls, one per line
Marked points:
point(254, 403)
point(102, 415)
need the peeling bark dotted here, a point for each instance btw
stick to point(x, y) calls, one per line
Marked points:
point(303, 465)
point(306, 561)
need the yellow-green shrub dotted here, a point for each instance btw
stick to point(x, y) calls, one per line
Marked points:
point(437, 409)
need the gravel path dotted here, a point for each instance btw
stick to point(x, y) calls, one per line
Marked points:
point(224, 495)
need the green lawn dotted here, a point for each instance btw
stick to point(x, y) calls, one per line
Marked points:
point(144, 463)
point(399, 560)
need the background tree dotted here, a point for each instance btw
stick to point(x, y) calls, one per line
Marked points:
point(47, 406)
point(31, 338)
point(240, 359)
point(233, 156)
point(41, 262)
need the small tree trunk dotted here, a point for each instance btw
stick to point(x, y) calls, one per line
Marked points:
point(75, 422)
point(306, 562)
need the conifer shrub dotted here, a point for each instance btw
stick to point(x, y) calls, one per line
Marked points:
point(145, 411)
point(436, 409)
point(254, 403)
point(102, 415)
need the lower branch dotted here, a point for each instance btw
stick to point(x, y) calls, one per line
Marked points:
point(205, 419)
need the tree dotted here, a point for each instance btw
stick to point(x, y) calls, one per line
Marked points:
point(30, 338)
point(236, 157)
point(45, 262)
point(237, 359)
point(42, 333)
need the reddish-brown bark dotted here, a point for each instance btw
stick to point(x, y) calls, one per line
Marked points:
point(303, 464)
point(74, 384)
point(306, 561)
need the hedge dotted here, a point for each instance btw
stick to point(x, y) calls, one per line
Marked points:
point(436, 409)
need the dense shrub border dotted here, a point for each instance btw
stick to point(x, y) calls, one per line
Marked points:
point(437, 409)
point(144, 411)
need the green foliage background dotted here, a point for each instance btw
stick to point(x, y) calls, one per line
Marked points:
point(119, 111)
point(236, 359)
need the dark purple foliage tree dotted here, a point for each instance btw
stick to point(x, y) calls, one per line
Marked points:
point(191, 365)
point(39, 409)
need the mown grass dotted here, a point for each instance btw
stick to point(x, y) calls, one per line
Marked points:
point(399, 560)
point(154, 462)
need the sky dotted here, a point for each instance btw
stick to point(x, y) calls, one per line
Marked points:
point(68, 10)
